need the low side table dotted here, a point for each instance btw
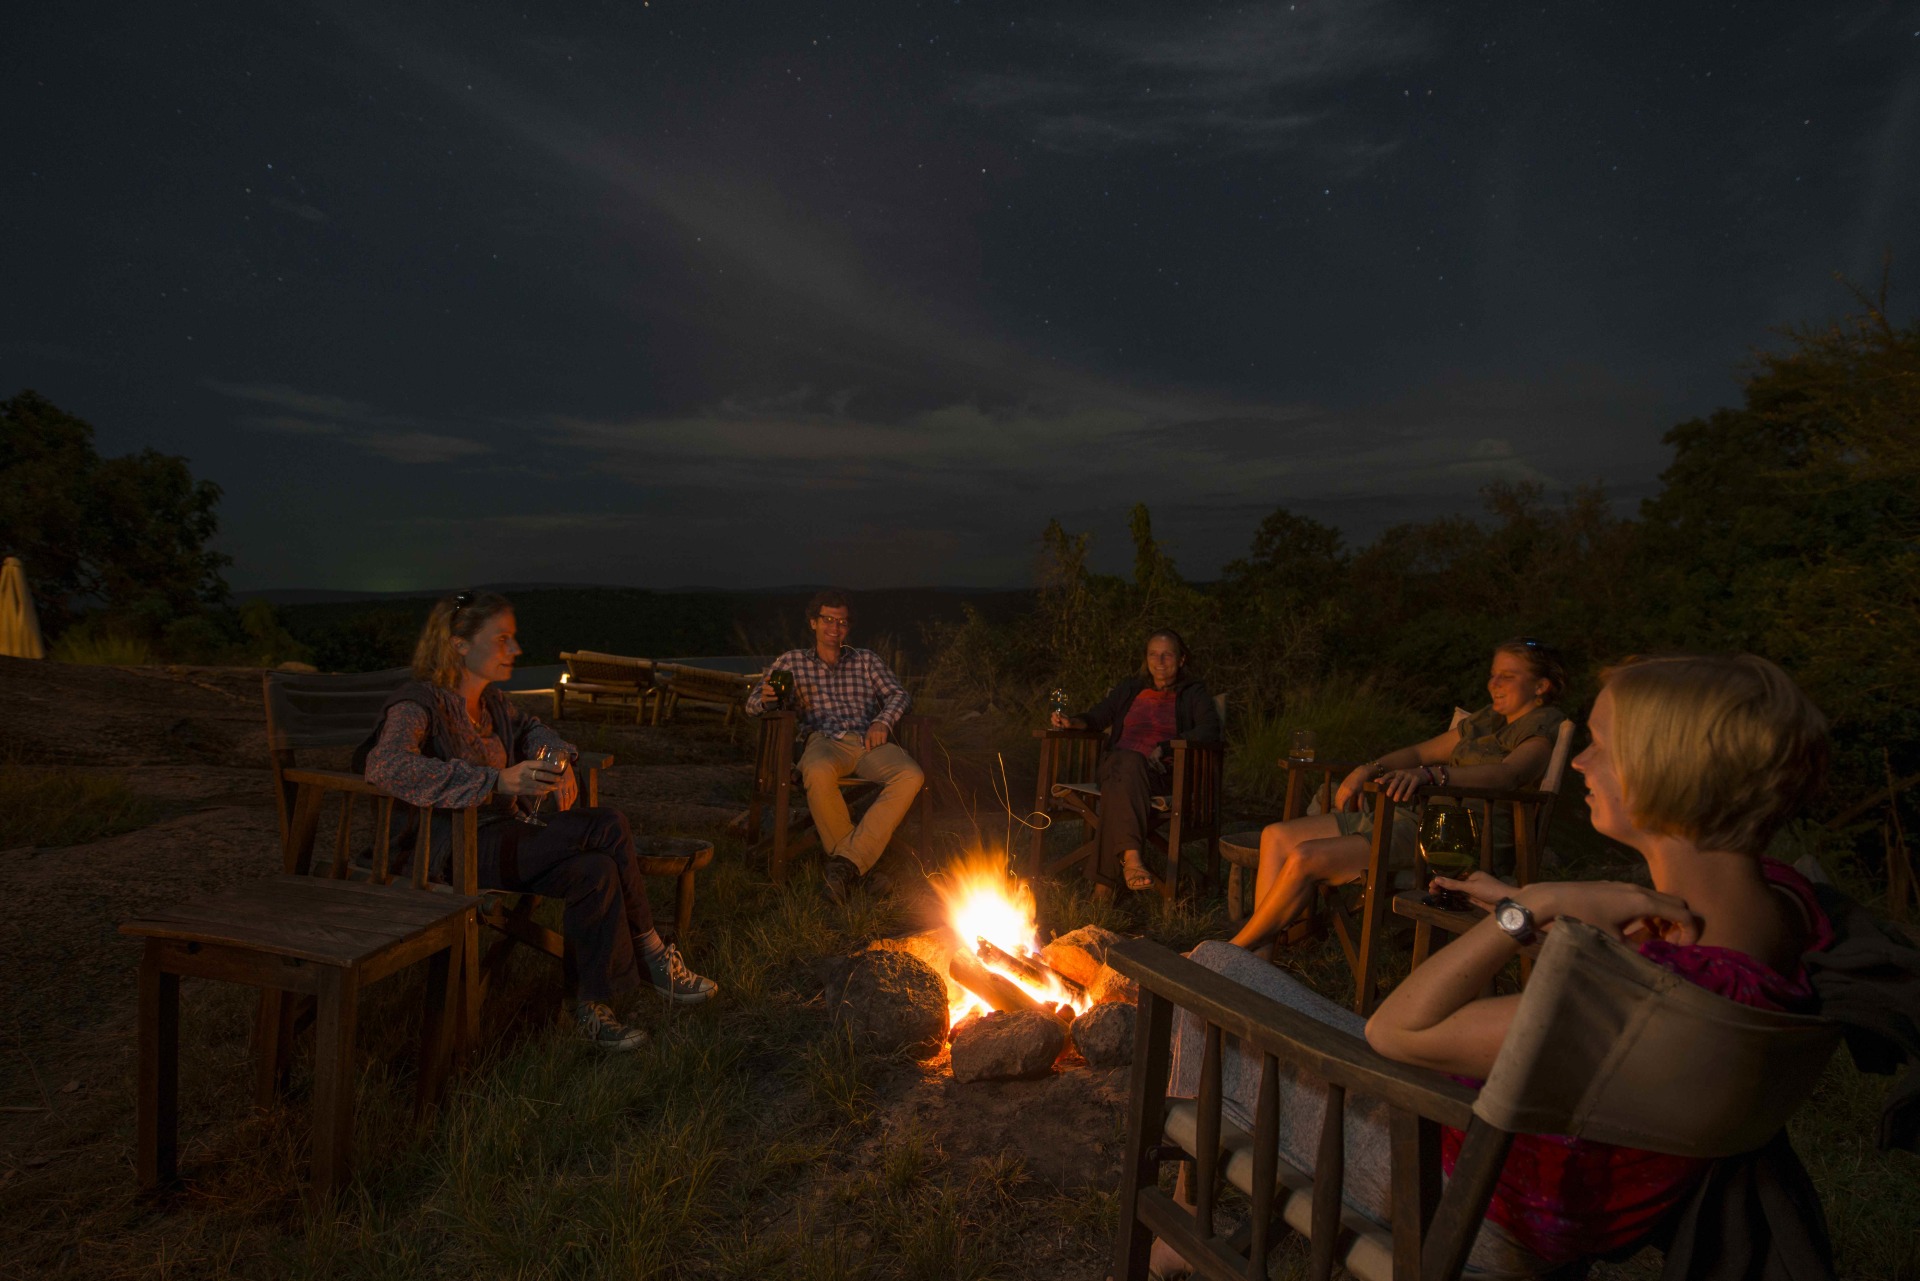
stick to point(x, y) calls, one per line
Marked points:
point(309, 936)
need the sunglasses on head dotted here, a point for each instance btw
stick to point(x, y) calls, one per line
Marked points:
point(463, 599)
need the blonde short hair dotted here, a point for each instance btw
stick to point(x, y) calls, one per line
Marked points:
point(1719, 749)
point(435, 660)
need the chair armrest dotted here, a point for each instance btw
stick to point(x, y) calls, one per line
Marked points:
point(1292, 766)
point(1407, 904)
point(333, 780)
point(1197, 745)
point(594, 761)
point(1069, 734)
point(1292, 1035)
point(1522, 795)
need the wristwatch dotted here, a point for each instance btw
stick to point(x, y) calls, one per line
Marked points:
point(1511, 915)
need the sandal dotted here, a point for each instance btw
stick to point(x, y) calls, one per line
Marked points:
point(1137, 877)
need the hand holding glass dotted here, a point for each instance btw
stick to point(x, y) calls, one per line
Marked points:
point(551, 760)
point(1449, 846)
point(781, 681)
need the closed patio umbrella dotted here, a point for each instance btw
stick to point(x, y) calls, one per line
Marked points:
point(19, 625)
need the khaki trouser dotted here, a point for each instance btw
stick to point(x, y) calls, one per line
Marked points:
point(828, 760)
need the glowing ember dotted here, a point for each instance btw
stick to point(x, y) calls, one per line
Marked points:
point(985, 900)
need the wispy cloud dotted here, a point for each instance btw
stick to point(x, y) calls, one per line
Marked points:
point(1257, 79)
point(397, 438)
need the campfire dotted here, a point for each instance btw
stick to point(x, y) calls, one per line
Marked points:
point(998, 964)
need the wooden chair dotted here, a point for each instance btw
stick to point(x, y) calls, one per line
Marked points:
point(1531, 808)
point(1605, 1046)
point(307, 712)
point(614, 678)
point(308, 937)
point(1068, 786)
point(704, 687)
point(772, 826)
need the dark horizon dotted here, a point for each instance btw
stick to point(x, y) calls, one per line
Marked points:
point(665, 294)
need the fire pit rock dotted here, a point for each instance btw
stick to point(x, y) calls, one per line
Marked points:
point(1104, 1036)
point(894, 1002)
point(1114, 988)
point(1006, 1045)
point(1080, 954)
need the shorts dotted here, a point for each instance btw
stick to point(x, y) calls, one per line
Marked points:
point(1406, 833)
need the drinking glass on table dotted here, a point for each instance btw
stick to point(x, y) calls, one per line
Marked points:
point(1304, 745)
point(1449, 846)
point(551, 760)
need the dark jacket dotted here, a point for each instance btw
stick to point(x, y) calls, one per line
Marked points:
point(1194, 715)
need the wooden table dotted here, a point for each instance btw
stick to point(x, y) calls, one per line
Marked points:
point(306, 936)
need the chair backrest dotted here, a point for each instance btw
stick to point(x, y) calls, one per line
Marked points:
point(1606, 1045)
point(308, 709)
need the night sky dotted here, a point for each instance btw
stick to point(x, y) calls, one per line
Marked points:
point(744, 294)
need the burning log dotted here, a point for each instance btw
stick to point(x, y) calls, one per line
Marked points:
point(997, 991)
point(1031, 968)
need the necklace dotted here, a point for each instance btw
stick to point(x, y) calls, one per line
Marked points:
point(478, 720)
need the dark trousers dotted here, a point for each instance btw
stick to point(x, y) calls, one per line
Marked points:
point(584, 856)
point(1127, 781)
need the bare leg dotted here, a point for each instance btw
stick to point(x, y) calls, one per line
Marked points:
point(1165, 1261)
point(1307, 853)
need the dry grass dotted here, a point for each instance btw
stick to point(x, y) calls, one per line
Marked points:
point(52, 805)
point(747, 1140)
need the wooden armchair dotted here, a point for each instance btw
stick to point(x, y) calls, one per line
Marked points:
point(1068, 786)
point(1605, 1046)
point(773, 828)
point(330, 711)
point(613, 677)
point(1531, 808)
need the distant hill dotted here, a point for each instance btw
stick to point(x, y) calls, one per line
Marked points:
point(351, 631)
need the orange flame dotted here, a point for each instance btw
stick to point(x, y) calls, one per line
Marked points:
point(985, 900)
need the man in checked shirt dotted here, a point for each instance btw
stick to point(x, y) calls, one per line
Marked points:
point(848, 701)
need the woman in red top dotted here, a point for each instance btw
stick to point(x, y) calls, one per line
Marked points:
point(1141, 715)
point(1695, 763)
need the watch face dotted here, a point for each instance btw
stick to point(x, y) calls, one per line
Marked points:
point(1513, 918)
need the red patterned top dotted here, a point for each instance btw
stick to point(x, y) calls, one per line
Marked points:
point(1149, 721)
point(1564, 1199)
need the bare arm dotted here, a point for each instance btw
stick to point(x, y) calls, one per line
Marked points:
point(1438, 1019)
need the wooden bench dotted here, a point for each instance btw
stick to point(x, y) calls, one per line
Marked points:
point(613, 678)
point(704, 687)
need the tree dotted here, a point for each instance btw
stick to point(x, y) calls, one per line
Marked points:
point(125, 534)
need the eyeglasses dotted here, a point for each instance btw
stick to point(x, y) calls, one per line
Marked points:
point(826, 621)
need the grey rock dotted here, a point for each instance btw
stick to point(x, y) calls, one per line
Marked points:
point(1006, 1045)
point(893, 1003)
point(1104, 1036)
point(1080, 954)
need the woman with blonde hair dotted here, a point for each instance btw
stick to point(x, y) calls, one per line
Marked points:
point(1695, 763)
point(450, 738)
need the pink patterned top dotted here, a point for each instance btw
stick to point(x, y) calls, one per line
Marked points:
point(397, 764)
point(1564, 1199)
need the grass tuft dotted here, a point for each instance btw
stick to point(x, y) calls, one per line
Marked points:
point(52, 805)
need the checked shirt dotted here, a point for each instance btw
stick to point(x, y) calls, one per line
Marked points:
point(847, 697)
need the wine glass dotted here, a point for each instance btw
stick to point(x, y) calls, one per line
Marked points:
point(1449, 846)
point(1057, 702)
point(782, 681)
point(553, 758)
